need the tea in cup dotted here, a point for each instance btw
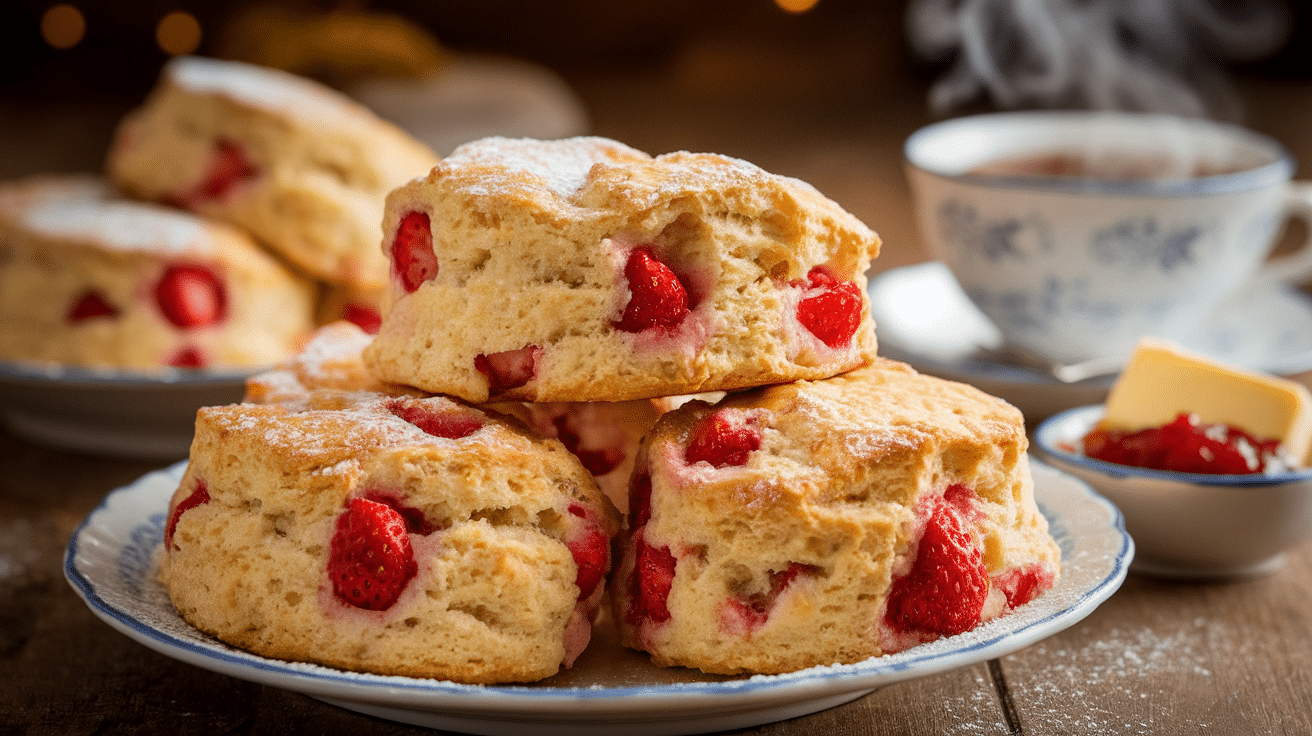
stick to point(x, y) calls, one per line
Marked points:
point(1077, 233)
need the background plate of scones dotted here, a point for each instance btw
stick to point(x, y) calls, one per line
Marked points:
point(113, 563)
point(111, 411)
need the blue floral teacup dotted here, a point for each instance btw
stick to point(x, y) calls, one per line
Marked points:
point(1077, 233)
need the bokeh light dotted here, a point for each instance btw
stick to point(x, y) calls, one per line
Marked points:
point(178, 33)
point(63, 26)
point(796, 6)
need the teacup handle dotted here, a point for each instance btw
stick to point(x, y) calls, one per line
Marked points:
point(1297, 266)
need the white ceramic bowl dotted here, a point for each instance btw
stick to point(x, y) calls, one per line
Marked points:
point(1189, 524)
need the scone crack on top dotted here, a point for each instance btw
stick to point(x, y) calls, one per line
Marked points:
point(593, 271)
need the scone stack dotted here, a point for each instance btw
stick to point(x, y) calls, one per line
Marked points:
point(555, 304)
point(239, 210)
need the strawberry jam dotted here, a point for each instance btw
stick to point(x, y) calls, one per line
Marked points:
point(1185, 445)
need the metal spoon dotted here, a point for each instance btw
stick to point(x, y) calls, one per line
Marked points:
point(1064, 372)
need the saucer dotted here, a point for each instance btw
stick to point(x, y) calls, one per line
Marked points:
point(923, 318)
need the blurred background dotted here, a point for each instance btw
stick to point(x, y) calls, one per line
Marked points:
point(825, 90)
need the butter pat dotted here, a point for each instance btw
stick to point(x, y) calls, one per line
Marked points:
point(1162, 381)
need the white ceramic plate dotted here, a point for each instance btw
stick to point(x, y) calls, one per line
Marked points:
point(111, 563)
point(106, 412)
point(923, 318)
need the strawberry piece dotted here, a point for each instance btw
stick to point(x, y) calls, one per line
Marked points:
point(1185, 445)
point(962, 497)
point(724, 438)
point(653, 576)
point(370, 559)
point(755, 608)
point(90, 305)
point(509, 369)
point(831, 309)
point(639, 499)
point(191, 296)
point(1022, 584)
point(188, 358)
point(597, 462)
point(591, 550)
point(451, 425)
point(413, 260)
point(197, 497)
point(229, 167)
point(365, 318)
point(945, 590)
point(658, 298)
point(415, 521)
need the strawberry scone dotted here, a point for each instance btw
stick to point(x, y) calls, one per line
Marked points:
point(393, 535)
point(90, 278)
point(585, 270)
point(301, 166)
point(825, 522)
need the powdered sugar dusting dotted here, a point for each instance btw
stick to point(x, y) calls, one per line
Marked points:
point(1084, 689)
point(560, 166)
point(333, 348)
point(261, 87)
point(351, 418)
point(122, 225)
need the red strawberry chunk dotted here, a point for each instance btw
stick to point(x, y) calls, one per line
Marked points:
point(197, 497)
point(831, 309)
point(591, 550)
point(370, 558)
point(366, 318)
point(415, 521)
point(658, 298)
point(754, 609)
point(191, 296)
point(229, 167)
point(597, 461)
point(639, 499)
point(945, 590)
point(413, 260)
point(451, 425)
point(724, 438)
point(188, 358)
point(90, 305)
point(653, 576)
point(1022, 584)
point(509, 369)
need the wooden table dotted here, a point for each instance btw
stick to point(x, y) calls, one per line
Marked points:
point(1157, 658)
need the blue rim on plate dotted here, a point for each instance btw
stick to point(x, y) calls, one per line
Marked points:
point(110, 558)
point(1070, 425)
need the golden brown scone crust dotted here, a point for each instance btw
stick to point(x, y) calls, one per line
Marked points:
point(494, 599)
point(846, 471)
point(531, 240)
point(64, 237)
point(323, 163)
